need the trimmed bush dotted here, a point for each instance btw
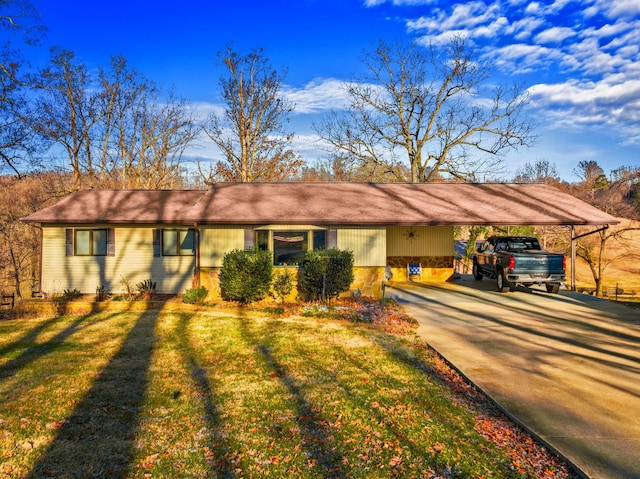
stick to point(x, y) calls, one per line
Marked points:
point(326, 273)
point(246, 275)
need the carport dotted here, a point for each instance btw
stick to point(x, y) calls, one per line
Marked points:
point(503, 204)
point(565, 366)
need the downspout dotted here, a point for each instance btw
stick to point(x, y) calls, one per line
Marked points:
point(196, 278)
point(40, 248)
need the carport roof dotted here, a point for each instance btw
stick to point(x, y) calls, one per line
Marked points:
point(404, 204)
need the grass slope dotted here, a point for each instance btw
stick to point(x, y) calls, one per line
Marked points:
point(243, 394)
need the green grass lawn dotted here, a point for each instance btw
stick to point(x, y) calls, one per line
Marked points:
point(243, 393)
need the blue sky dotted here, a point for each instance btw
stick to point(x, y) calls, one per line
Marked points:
point(580, 59)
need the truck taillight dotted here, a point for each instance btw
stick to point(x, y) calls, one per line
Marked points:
point(564, 262)
point(512, 262)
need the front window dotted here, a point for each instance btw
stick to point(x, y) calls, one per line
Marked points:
point(320, 239)
point(289, 247)
point(178, 242)
point(90, 242)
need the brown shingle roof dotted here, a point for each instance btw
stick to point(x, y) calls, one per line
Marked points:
point(119, 206)
point(331, 204)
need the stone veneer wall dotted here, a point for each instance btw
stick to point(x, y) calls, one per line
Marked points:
point(434, 268)
point(210, 279)
point(367, 281)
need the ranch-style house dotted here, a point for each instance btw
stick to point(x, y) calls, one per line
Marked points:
point(98, 238)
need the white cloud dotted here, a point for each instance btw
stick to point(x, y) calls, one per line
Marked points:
point(533, 8)
point(463, 16)
point(203, 110)
point(443, 38)
point(619, 8)
point(554, 35)
point(317, 95)
point(592, 59)
point(523, 57)
point(397, 3)
point(308, 146)
point(523, 29)
point(613, 101)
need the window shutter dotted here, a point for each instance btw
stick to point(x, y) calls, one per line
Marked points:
point(111, 242)
point(332, 238)
point(156, 242)
point(69, 241)
point(249, 238)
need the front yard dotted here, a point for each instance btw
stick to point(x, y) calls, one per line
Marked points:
point(243, 393)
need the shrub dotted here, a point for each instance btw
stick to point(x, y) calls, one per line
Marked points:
point(282, 285)
point(246, 275)
point(326, 273)
point(147, 288)
point(70, 294)
point(195, 295)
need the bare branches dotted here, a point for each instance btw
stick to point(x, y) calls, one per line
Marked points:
point(115, 128)
point(251, 134)
point(423, 108)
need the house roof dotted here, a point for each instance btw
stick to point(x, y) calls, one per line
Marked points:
point(119, 206)
point(330, 204)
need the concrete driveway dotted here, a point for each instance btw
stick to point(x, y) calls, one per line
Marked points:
point(567, 366)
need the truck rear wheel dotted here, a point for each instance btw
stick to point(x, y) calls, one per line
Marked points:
point(476, 271)
point(553, 288)
point(502, 283)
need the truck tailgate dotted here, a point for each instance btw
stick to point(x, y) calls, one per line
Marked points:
point(540, 261)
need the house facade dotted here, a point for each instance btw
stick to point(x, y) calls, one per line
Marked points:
point(86, 257)
point(178, 239)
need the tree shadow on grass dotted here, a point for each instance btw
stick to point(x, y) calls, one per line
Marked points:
point(36, 351)
point(97, 439)
point(221, 460)
point(316, 437)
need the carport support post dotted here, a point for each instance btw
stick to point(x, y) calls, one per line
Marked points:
point(573, 251)
point(573, 258)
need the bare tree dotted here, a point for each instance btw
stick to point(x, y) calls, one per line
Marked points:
point(592, 178)
point(116, 128)
point(541, 171)
point(423, 109)
point(616, 197)
point(16, 140)
point(251, 134)
point(20, 197)
point(21, 18)
point(18, 19)
point(593, 251)
point(68, 111)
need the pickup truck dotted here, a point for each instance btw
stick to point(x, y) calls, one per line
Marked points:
point(518, 260)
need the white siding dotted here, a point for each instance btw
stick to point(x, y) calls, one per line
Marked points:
point(133, 261)
point(420, 241)
point(215, 242)
point(367, 243)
